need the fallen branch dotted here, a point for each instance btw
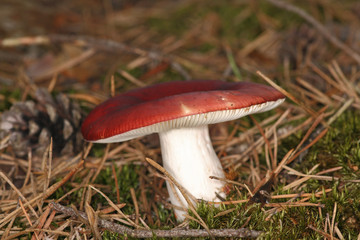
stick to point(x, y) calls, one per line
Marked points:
point(143, 233)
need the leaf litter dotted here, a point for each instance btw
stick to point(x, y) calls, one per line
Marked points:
point(80, 63)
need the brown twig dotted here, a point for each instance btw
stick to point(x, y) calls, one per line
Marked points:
point(143, 233)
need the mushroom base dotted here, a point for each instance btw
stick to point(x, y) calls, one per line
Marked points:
point(189, 157)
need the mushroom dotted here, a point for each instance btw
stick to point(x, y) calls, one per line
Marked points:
point(180, 112)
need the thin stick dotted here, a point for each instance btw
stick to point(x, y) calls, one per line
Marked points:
point(173, 233)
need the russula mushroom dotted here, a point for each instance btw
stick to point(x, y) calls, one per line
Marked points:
point(180, 112)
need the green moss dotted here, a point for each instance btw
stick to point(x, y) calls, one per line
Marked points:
point(8, 94)
point(238, 22)
point(107, 235)
point(175, 23)
point(340, 147)
point(127, 178)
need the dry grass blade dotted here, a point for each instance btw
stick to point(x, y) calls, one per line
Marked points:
point(68, 64)
point(348, 87)
point(45, 195)
point(133, 196)
point(306, 137)
point(14, 213)
point(28, 172)
point(306, 196)
point(324, 234)
point(319, 95)
point(265, 185)
point(101, 164)
point(12, 42)
point(287, 94)
point(259, 142)
point(47, 166)
point(86, 97)
point(261, 130)
point(43, 223)
point(25, 213)
point(324, 76)
point(233, 182)
point(55, 186)
point(341, 110)
point(129, 221)
point(225, 212)
point(144, 44)
point(8, 228)
point(338, 232)
point(131, 78)
point(294, 204)
point(93, 220)
point(116, 183)
point(182, 190)
point(112, 86)
point(317, 176)
point(3, 176)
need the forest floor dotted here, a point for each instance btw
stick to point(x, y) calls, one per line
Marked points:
point(292, 173)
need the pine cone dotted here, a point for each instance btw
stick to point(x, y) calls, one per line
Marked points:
point(31, 125)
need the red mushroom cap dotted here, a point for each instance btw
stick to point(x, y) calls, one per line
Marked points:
point(176, 104)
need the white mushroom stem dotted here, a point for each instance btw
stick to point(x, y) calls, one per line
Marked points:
point(189, 157)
